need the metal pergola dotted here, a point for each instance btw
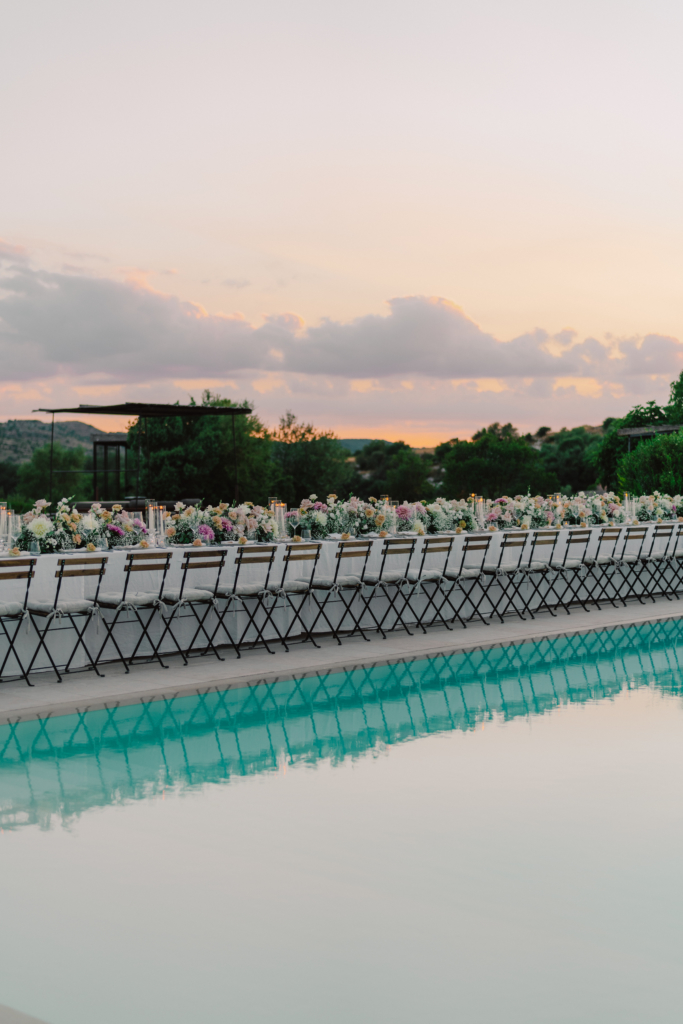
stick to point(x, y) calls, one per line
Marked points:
point(652, 431)
point(144, 411)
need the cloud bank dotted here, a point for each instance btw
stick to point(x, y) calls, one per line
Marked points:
point(425, 359)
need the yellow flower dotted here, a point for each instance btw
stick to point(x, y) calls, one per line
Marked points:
point(91, 547)
point(144, 544)
point(197, 543)
point(128, 527)
point(170, 531)
point(346, 536)
point(243, 540)
point(462, 524)
point(77, 538)
point(15, 552)
point(458, 529)
point(383, 533)
point(379, 519)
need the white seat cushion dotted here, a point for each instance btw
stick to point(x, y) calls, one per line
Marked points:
point(140, 599)
point(466, 573)
point(391, 576)
point(81, 607)
point(571, 563)
point(292, 586)
point(538, 566)
point(598, 559)
point(327, 582)
point(628, 558)
point(428, 576)
point(11, 609)
point(189, 594)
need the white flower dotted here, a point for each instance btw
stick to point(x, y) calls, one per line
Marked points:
point(312, 497)
point(40, 526)
point(89, 522)
point(320, 517)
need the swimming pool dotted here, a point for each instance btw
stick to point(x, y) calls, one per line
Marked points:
point(493, 835)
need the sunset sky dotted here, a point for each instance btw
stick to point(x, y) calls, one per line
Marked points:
point(399, 220)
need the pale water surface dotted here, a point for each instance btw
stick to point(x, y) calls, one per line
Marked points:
point(486, 838)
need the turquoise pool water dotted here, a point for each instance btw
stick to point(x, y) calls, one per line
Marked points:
point(493, 836)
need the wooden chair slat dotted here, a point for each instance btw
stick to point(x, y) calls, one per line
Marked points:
point(16, 575)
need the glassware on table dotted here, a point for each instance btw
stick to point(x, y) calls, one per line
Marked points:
point(306, 535)
point(34, 548)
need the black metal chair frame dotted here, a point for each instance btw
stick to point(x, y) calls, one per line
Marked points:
point(541, 568)
point(392, 547)
point(346, 549)
point(423, 578)
point(69, 568)
point(19, 569)
point(199, 558)
point(455, 581)
point(626, 561)
point(508, 577)
point(571, 573)
point(600, 567)
point(288, 590)
point(138, 561)
point(246, 555)
point(655, 564)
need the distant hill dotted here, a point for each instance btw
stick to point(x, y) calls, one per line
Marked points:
point(19, 438)
point(354, 444)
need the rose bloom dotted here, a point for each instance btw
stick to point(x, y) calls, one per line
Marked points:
point(77, 538)
point(170, 531)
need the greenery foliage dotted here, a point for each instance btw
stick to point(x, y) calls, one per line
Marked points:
point(193, 456)
point(494, 464)
point(568, 456)
point(307, 461)
point(656, 464)
point(393, 468)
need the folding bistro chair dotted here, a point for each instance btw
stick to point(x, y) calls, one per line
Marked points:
point(389, 583)
point(627, 561)
point(600, 568)
point(239, 595)
point(192, 599)
point(14, 612)
point(507, 573)
point(676, 562)
point(467, 572)
point(540, 565)
point(345, 588)
point(655, 563)
point(570, 568)
point(76, 610)
point(291, 590)
point(427, 579)
point(136, 602)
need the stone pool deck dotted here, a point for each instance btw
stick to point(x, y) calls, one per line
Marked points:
point(85, 691)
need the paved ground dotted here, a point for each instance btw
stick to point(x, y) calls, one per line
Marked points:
point(149, 682)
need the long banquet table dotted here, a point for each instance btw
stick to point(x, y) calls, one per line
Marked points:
point(128, 631)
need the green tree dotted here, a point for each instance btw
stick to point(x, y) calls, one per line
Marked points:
point(493, 466)
point(606, 455)
point(567, 455)
point(67, 479)
point(392, 467)
point(9, 477)
point(308, 461)
point(655, 464)
point(193, 457)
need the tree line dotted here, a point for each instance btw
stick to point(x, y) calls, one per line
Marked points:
point(177, 457)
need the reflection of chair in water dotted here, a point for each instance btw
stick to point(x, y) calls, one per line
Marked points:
point(210, 737)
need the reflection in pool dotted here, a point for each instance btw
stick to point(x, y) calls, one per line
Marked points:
point(60, 767)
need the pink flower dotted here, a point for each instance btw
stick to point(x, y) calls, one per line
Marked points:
point(206, 532)
point(115, 530)
point(227, 525)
